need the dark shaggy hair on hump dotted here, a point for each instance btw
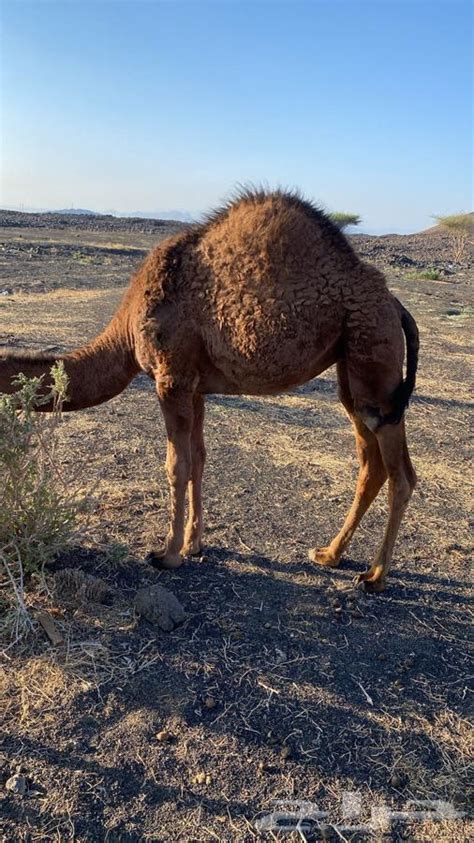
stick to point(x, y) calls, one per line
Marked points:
point(292, 199)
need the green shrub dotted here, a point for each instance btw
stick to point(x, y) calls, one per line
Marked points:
point(343, 220)
point(430, 275)
point(82, 257)
point(459, 226)
point(37, 511)
point(423, 275)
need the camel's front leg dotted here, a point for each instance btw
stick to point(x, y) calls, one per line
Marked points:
point(177, 407)
point(194, 528)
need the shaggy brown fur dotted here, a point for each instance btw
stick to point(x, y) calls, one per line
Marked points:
point(264, 296)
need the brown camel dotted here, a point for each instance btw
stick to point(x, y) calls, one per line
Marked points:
point(263, 296)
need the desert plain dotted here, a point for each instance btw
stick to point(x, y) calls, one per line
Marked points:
point(284, 684)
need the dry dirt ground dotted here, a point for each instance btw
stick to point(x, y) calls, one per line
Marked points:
point(283, 683)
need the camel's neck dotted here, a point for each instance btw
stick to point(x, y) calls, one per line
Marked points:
point(96, 372)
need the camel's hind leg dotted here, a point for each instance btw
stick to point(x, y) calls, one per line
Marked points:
point(194, 528)
point(372, 476)
point(401, 482)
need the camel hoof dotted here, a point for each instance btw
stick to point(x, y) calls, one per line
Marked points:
point(163, 560)
point(370, 584)
point(192, 549)
point(323, 556)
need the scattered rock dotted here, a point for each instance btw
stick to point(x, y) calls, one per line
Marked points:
point(159, 606)
point(50, 628)
point(401, 260)
point(210, 703)
point(286, 753)
point(164, 736)
point(17, 784)
point(272, 737)
point(90, 745)
point(395, 780)
point(454, 547)
point(200, 778)
point(89, 722)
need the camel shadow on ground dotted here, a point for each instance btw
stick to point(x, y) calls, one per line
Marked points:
point(305, 679)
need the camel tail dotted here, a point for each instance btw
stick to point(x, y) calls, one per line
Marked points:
point(402, 394)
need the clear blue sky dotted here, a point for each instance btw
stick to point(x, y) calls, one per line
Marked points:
point(366, 106)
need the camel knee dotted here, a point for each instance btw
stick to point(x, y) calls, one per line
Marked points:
point(199, 453)
point(409, 469)
point(401, 488)
point(403, 479)
point(378, 472)
point(406, 492)
point(178, 469)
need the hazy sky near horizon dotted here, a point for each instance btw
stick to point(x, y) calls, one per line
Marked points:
point(365, 105)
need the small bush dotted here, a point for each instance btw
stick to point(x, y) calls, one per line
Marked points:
point(423, 275)
point(460, 226)
point(344, 220)
point(81, 257)
point(430, 275)
point(37, 512)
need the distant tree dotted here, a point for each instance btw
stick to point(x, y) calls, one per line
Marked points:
point(343, 220)
point(459, 226)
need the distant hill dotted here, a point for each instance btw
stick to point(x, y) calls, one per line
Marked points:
point(79, 212)
point(84, 220)
point(179, 216)
point(173, 215)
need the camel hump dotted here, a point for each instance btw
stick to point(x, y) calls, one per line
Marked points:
point(278, 220)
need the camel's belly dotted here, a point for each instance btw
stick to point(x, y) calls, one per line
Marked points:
point(261, 356)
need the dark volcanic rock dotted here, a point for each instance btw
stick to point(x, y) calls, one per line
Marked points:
point(88, 222)
point(427, 249)
point(159, 606)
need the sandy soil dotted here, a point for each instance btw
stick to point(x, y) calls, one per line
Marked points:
point(283, 683)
